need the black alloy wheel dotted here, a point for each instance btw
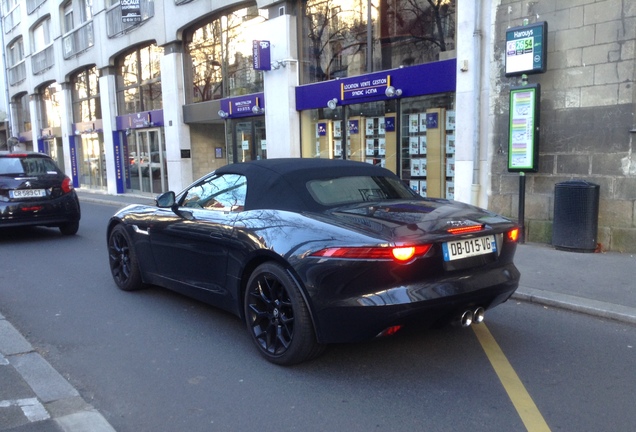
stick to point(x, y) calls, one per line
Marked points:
point(123, 261)
point(278, 318)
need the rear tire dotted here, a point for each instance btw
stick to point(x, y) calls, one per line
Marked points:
point(277, 317)
point(122, 258)
point(69, 228)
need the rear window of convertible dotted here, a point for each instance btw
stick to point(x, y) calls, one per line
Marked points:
point(357, 189)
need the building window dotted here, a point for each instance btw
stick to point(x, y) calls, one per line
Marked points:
point(15, 52)
point(86, 10)
point(75, 13)
point(220, 53)
point(335, 35)
point(139, 80)
point(50, 108)
point(22, 112)
point(8, 5)
point(42, 35)
point(67, 23)
point(85, 96)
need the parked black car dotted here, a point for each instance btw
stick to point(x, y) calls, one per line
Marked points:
point(313, 251)
point(34, 191)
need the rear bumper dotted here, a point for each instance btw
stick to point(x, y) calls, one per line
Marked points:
point(423, 304)
point(46, 213)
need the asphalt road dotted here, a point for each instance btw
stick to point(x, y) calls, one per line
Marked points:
point(156, 361)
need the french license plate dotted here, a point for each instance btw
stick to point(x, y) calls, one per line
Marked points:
point(28, 193)
point(469, 247)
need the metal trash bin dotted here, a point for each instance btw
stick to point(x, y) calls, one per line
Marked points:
point(575, 223)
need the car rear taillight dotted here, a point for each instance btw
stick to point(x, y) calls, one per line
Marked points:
point(32, 208)
point(401, 254)
point(465, 229)
point(390, 331)
point(512, 235)
point(67, 185)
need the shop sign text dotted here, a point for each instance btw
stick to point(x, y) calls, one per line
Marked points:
point(365, 87)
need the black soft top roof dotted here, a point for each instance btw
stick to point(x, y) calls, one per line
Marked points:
point(281, 183)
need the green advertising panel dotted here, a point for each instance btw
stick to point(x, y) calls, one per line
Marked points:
point(523, 137)
point(526, 49)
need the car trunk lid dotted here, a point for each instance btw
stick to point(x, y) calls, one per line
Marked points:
point(420, 221)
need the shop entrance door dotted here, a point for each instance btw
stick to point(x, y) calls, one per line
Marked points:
point(53, 147)
point(248, 140)
point(148, 170)
point(92, 162)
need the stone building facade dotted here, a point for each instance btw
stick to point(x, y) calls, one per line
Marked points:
point(587, 127)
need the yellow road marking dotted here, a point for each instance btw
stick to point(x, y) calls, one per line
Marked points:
point(523, 403)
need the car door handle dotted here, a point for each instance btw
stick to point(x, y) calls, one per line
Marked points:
point(141, 231)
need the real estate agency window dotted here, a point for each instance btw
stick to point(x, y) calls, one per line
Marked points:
point(427, 140)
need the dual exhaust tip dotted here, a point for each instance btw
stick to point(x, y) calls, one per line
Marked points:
point(470, 317)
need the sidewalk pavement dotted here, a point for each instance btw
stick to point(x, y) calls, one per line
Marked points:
point(35, 397)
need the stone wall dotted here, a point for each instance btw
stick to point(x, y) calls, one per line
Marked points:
point(587, 114)
point(205, 139)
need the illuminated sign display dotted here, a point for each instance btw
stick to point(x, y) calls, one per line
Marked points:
point(526, 49)
point(523, 138)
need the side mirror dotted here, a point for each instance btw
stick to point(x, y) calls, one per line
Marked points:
point(165, 200)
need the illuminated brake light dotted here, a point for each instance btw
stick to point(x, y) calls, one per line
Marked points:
point(67, 185)
point(403, 253)
point(513, 235)
point(390, 331)
point(465, 229)
point(17, 155)
point(400, 254)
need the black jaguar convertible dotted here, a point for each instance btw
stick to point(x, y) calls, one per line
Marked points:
point(310, 252)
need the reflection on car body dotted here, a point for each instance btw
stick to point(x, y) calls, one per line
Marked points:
point(310, 252)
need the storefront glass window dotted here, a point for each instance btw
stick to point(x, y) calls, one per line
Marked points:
point(413, 137)
point(247, 138)
point(139, 80)
point(220, 56)
point(427, 144)
point(357, 132)
point(91, 158)
point(338, 40)
point(23, 113)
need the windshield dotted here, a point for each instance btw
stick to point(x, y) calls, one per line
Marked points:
point(358, 189)
point(27, 166)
